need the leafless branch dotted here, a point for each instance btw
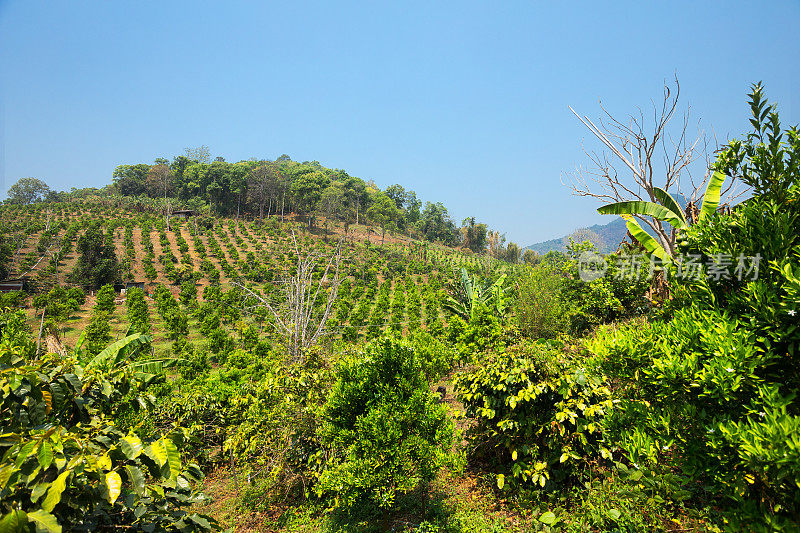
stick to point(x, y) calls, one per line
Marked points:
point(645, 153)
point(303, 308)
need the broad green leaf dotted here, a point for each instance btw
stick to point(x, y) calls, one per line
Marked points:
point(114, 483)
point(13, 522)
point(670, 203)
point(54, 493)
point(38, 491)
point(548, 518)
point(136, 478)
point(174, 458)
point(25, 452)
point(501, 481)
point(81, 340)
point(157, 453)
point(650, 209)
point(5, 474)
point(117, 352)
point(711, 197)
point(614, 514)
point(45, 454)
point(645, 239)
point(44, 521)
point(200, 521)
point(131, 446)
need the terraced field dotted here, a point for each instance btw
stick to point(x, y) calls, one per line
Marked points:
point(397, 286)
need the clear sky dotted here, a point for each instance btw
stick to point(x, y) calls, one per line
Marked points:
point(464, 102)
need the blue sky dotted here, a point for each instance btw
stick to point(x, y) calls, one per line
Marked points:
point(464, 102)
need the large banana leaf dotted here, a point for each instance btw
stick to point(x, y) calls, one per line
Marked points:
point(646, 240)
point(711, 198)
point(669, 202)
point(117, 352)
point(639, 207)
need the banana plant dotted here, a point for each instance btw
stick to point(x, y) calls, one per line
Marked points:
point(472, 292)
point(119, 357)
point(667, 211)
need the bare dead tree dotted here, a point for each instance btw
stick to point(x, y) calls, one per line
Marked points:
point(647, 152)
point(303, 305)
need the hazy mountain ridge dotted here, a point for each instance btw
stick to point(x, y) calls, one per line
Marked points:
point(607, 236)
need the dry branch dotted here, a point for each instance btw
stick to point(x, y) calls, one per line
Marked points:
point(303, 308)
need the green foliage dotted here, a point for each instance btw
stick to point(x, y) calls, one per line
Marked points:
point(670, 212)
point(542, 309)
point(384, 431)
point(712, 390)
point(105, 299)
point(767, 158)
point(538, 419)
point(6, 253)
point(279, 422)
point(435, 357)
point(484, 332)
point(138, 311)
point(97, 333)
point(97, 262)
point(28, 190)
point(63, 463)
point(59, 303)
point(600, 301)
point(189, 292)
point(469, 293)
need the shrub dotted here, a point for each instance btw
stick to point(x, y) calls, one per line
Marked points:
point(105, 299)
point(138, 311)
point(189, 292)
point(97, 262)
point(541, 309)
point(535, 413)
point(384, 431)
point(65, 465)
point(484, 332)
point(97, 333)
point(714, 388)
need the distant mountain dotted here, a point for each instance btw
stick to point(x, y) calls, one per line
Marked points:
point(607, 237)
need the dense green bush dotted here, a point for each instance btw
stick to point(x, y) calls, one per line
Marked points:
point(542, 309)
point(97, 262)
point(138, 311)
point(713, 390)
point(105, 299)
point(384, 432)
point(538, 418)
point(58, 304)
point(484, 332)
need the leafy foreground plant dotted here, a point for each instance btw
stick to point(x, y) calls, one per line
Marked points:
point(384, 433)
point(64, 465)
point(713, 390)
